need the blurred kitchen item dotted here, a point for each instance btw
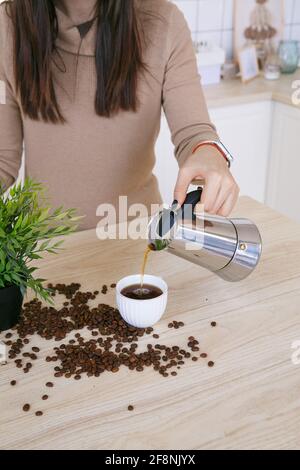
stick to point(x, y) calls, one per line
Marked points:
point(248, 63)
point(210, 59)
point(231, 248)
point(229, 71)
point(272, 66)
point(259, 23)
point(289, 56)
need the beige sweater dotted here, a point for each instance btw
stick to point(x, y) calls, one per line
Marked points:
point(91, 160)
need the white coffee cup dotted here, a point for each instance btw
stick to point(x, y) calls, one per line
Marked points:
point(142, 313)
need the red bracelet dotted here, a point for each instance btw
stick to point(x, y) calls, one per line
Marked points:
point(212, 144)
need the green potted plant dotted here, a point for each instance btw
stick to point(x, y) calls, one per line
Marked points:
point(28, 228)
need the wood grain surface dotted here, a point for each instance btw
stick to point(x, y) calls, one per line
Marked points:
point(249, 400)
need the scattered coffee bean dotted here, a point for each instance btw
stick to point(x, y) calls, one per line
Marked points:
point(13, 383)
point(213, 324)
point(203, 355)
point(113, 285)
point(130, 408)
point(112, 342)
point(39, 413)
point(26, 407)
point(210, 364)
point(8, 335)
point(175, 324)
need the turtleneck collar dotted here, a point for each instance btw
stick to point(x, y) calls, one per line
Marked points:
point(77, 39)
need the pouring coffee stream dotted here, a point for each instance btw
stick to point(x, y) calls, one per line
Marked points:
point(231, 248)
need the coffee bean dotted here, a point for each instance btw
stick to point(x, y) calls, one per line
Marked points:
point(13, 383)
point(8, 335)
point(194, 358)
point(210, 364)
point(39, 413)
point(26, 407)
point(130, 408)
point(45, 397)
point(113, 285)
point(111, 344)
point(203, 355)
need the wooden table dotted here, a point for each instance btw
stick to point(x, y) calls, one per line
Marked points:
point(249, 400)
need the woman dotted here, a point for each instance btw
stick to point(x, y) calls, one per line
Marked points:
point(85, 83)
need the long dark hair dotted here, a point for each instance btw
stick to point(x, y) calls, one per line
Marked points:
point(118, 56)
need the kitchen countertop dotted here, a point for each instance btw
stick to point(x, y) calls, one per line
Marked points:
point(234, 92)
point(249, 400)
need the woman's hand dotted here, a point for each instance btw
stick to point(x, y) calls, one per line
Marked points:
point(220, 191)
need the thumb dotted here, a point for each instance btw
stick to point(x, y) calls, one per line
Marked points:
point(183, 181)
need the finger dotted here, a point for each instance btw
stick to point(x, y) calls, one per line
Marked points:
point(227, 187)
point(210, 192)
point(228, 206)
point(183, 181)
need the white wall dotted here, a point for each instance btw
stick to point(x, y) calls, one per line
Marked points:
point(212, 20)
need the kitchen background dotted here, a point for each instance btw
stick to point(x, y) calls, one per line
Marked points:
point(258, 121)
point(212, 20)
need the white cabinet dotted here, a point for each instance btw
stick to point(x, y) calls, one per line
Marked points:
point(245, 130)
point(284, 168)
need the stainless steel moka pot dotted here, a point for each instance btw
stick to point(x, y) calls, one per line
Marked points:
point(231, 248)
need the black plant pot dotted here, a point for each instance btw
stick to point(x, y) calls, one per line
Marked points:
point(11, 300)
